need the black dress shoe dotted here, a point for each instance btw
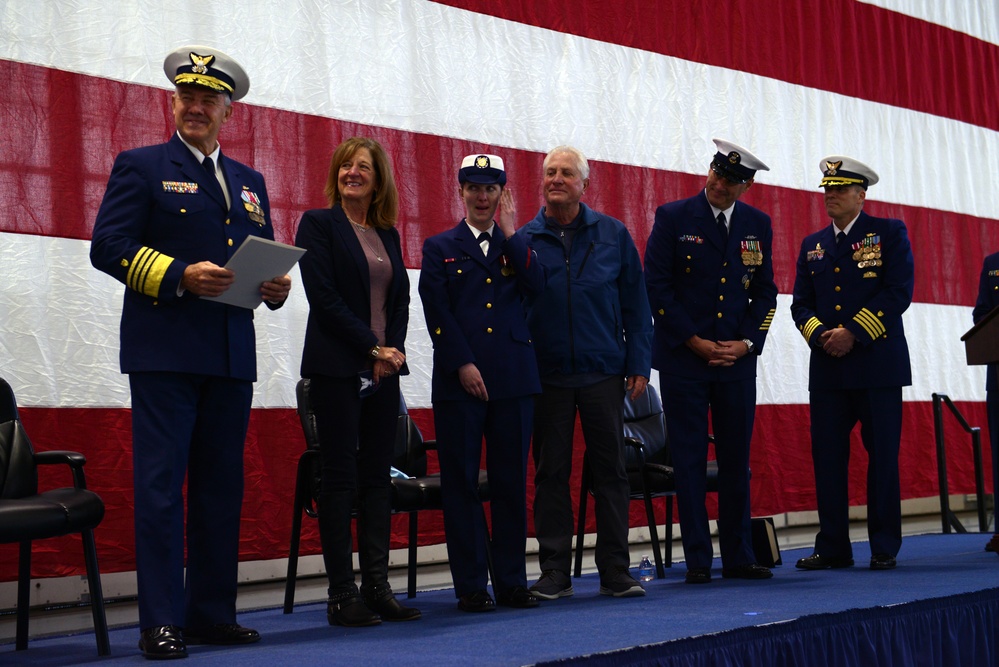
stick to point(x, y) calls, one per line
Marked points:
point(818, 562)
point(518, 597)
point(993, 544)
point(882, 562)
point(162, 642)
point(350, 612)
point(221, 633)
point(476, 602)
point(391, 609)
point(698, 575)
point(750, 571)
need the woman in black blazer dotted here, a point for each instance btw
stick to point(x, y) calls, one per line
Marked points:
point(358, 294)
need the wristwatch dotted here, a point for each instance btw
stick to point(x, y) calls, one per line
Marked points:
point(749, 344)
point(375, 351)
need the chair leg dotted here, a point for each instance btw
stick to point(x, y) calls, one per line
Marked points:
point(584, 490)
point(96, 593)
point(654, 533)
point(669, 531)
point(23, 595)
point(489, 550)
point(414, 533)
point(296, 537)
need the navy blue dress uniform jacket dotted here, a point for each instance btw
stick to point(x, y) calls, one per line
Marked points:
point(837, 287)
point(475, 313)
point(699, 286)
point(335, 276)
point(161, 212)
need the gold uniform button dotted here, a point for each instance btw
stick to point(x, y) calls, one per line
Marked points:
point(227, 221)
point(721, 297)
point(719, 316)
point(688, 256)
point(230, 243)
point(836, 270)
point(489, 329)
point(836, 288)
point(663, 312)
point(459, 270)
point(688, 269)
point(839, 307)
point(183, 210)
point(723, 281)
point(725, 264)
point(489, 305)
point(488, 280)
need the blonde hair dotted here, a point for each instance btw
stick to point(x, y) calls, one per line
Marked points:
point(384, 209)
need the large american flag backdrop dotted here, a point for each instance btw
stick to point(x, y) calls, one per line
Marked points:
point(641, 87)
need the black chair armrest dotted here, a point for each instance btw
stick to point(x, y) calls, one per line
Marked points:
point(638, 446)
point(74, 460)
point(430, 445)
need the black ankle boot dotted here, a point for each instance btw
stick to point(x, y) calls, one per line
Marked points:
point(348, 610)
point(384, 603)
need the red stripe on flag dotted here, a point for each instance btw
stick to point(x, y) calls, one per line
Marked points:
point(842, 46)
point(780, 460)
point(42, 194)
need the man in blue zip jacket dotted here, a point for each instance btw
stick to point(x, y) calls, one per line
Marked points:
point(592, 332)
point(853, 281)
point(710, 278)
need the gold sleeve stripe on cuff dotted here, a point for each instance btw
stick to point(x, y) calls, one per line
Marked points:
point(768, 320)
point(810, 326)
point(147, 270)
point(872, 325)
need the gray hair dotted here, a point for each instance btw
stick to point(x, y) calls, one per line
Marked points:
point(581, 164)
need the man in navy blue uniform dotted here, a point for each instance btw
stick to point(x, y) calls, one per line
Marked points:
point(473, 282)
point(988, 299)
point(710, 280)
point(853, 281)
point(172, 216)
point(592, 333)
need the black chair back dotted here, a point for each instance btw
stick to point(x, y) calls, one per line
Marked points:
point(410, 454)
point(18, 472)
point(8, 405)
point(645, 422)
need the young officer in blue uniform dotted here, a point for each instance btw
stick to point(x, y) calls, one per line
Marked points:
point(172, 216)
point(472, 283)
point(988, 299)
point(854, 280)
point(709, 275)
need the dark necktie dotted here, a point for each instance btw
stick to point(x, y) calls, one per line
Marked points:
point(722, 229)
point(483, 240)
point(840, 237)
point(213, 180)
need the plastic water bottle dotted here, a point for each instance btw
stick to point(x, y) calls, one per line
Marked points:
point(645, 572)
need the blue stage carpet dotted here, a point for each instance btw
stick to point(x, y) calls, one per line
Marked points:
point(939, 607)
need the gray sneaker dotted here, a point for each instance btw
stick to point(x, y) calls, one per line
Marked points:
point(552, 585)
point(619, 583)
